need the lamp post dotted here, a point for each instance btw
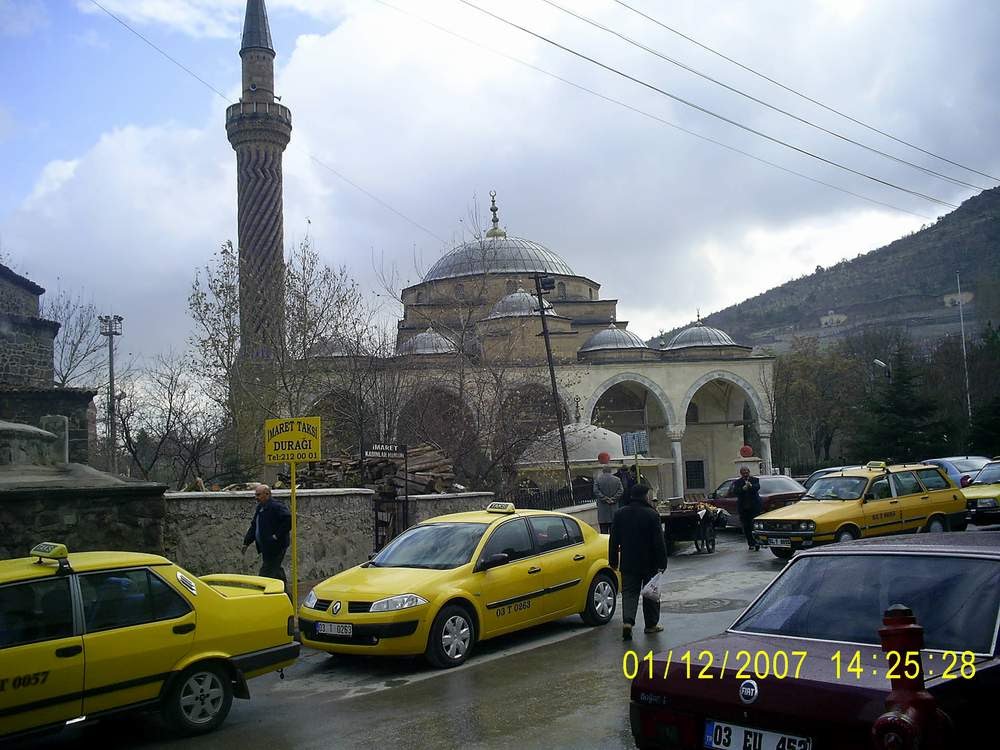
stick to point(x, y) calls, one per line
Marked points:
point(548, 284)
point(965, 356)
point(111, 326)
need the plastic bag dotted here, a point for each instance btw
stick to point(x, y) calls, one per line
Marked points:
point(652, 588)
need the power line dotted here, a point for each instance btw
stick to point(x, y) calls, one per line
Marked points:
point(644, 113)
point(212, 88)
point(763, 103)
point(705, 110)
point(802, 95)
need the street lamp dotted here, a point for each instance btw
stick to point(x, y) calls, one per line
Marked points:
point(111, 326)
point(545, 284)
point(884, 366)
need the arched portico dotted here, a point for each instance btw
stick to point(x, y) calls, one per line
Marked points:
point(625, 377)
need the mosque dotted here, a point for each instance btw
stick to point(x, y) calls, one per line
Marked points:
point(470, 347)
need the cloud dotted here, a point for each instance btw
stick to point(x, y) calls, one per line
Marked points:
point(22, 17)
point(665, 222)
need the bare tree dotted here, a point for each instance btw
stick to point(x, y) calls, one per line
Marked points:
point(78, 347)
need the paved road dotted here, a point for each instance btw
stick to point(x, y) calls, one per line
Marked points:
point(559, 685)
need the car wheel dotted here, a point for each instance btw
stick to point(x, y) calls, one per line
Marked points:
point(451, 639)
point(847, 535)
point(935, 526)
point(781, 554)
point(199, 700)
point(602, 597)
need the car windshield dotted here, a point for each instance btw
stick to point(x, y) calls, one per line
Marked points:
point(989, 475)
point(836, 488)
point(843, 598)
point(434, 545)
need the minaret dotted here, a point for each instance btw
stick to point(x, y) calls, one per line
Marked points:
point(259, 128)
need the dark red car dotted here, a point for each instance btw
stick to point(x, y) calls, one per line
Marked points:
point(775, 491)
point(802, 667)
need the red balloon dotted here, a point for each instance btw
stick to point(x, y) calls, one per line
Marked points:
point(746, 451)
point(604, 457)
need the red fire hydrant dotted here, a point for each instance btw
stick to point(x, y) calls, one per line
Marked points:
point(912, 720)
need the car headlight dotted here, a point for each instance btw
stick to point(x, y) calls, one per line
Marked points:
point(807, 525)
point(311, 599)
point(392, 603)
point(986, 502)
point(758, 524)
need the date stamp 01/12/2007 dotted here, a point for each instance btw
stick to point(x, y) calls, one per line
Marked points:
point(782, 665)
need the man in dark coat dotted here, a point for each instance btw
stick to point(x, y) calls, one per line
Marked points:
point(746, 489)
point(269, 532)
point(636, 548)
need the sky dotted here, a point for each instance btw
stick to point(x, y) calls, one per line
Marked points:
point(118, 180)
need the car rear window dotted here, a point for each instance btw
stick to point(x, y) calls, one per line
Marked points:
point(970, 464)
point(843, 598)
point(905, 483)
point(774, 485)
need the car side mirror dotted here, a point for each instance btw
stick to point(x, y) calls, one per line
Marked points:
point(493, 561)
point(965, 481)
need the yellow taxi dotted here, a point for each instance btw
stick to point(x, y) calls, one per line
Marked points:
point(451, 581)
point(93, 633)
point(983, 495)
point(864, 501)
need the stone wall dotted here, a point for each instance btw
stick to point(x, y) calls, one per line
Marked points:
point(126, 517)
point(204, 530)
point(26, 350)
point(16, 296)
point(28, 406)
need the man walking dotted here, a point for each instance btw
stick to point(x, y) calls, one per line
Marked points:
point(637, 549)
point(269, 532)
point(747, 492)
point(608, 491)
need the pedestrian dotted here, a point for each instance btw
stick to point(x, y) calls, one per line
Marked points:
point(628, 482)
point(636, 548)
point(269, 530)
point(608, 492)
point(746, 489)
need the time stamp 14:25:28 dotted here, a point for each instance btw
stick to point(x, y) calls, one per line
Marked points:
point(780, 665)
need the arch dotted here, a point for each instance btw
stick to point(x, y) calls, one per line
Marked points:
point(631, 377)
point(763, 415)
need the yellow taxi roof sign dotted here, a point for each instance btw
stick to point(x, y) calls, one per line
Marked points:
point(500, 508)
point(876, 465)
point(49, 551)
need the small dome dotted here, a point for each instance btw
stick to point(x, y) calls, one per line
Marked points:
point(700, 335)
point(612, 337)
point(584, 442)
point(498, 254)
point(428, 342)
point(517, 304)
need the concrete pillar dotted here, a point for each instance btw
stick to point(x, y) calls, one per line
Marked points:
point(675, 450)
point(765, 451)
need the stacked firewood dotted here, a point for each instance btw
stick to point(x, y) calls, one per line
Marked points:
point(427, 470)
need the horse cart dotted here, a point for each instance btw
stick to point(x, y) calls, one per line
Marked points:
point(691, 522)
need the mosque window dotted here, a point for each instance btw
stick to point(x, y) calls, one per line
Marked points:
point(420, 296)
point(460, 291)
point(694, 475)
point(561, 290)
point(511, 286)
point(591, 291)
point(692, 413)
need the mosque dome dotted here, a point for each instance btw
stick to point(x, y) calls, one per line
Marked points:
point(613, 338)
point(584, 442)
point(700, 335)
point(519, 303)
point(428, 342)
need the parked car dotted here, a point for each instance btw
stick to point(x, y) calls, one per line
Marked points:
point(983, 495)
point(451, 581)
point(871, 500)
point(94, 633)
point(960, 469)
point(811, 479)
point(802, 666)
point(776, 491)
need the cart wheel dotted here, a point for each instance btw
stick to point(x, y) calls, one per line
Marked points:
point(710, 538)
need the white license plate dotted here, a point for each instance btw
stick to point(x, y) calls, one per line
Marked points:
point(734, 737)
point(779, 542)
point(335, 628)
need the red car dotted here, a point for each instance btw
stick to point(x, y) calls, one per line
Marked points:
point(776, 491)
point(803, 669)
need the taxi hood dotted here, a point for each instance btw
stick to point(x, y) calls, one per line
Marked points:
point(373, 583)
point(809, 510)
point(977, 491)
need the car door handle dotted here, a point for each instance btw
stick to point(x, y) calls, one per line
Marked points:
point(925, 497)
point(893, 502)
point(185, 628)
point(68, 651)
point(577, 558)
point(532, 571)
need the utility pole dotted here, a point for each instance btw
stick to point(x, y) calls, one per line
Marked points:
point(548, 283)
point(965, 357)
point(111, 326)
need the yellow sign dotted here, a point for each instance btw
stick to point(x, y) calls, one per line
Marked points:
point(289, 440)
